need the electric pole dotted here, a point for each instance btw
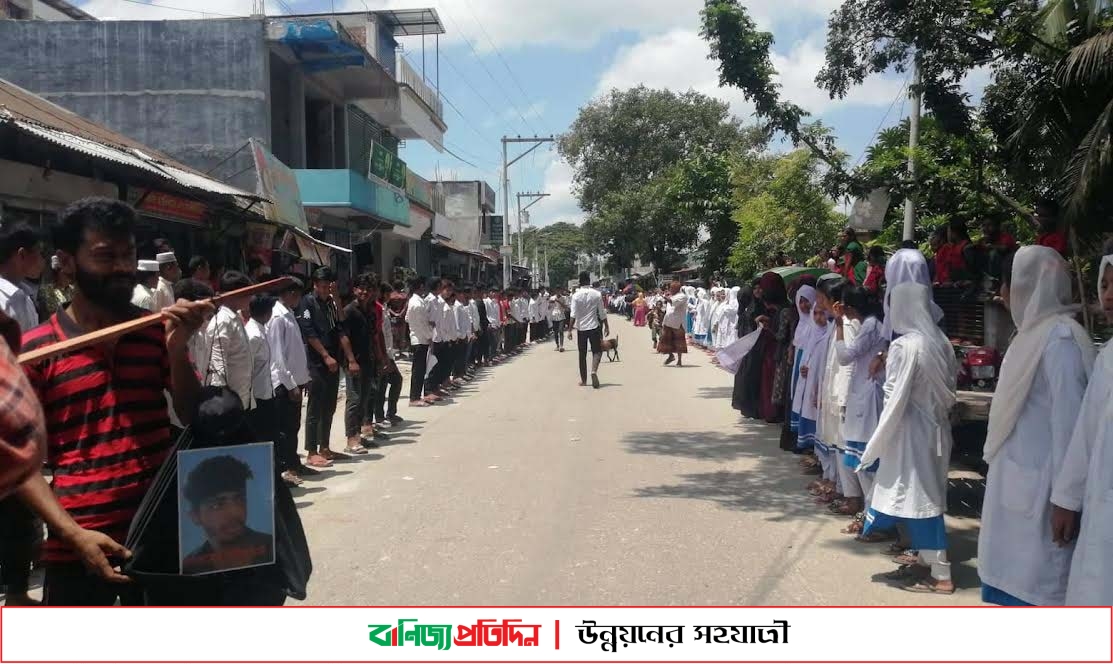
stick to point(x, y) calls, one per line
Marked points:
point(536, 198)
point(537, 141)
point(913, 142)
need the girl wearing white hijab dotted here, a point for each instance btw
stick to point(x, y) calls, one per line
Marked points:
point(1084, 482)
point(727, 331)
point(701, 323)
point(863, 401)
point(913, 437)
point(829, 442)
point(717, 304)
point(1039, 395)
point(812, 365)
point(806, 331)
point(906, 266)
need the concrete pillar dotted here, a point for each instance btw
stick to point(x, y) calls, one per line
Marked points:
point(297, 120)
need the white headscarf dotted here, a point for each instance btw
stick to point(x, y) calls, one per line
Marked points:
point(906, 266)
point(806, 328)
point(928, 380)
point(1039, 299)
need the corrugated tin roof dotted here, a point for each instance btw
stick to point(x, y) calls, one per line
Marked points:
point(43, 119)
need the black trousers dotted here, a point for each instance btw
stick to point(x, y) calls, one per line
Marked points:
point(459, 358)
point(19, 533)
point(443, 368)
point(420, 365)
point(323, 390)
point(592, 338)
point(558, 333)
point(390, 388)
point(69, 584)
point(264, 420)
point(359, 398)
point(483, 345)
point(287, 417)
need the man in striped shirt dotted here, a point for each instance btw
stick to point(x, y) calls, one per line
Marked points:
point(108, 428)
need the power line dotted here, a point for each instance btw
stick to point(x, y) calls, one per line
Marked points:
point(487, 69)
point(900, 95)
point(498, 53)
point(183, 9)
point(463, 78)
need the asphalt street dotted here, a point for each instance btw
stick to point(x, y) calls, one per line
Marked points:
point(530, 490)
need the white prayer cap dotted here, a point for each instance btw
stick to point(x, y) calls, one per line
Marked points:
point(55, 263)
point(148, 266)
point(166, 257)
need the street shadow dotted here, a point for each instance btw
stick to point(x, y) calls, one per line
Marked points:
point(325, 473)
point(725, 392)
point(300, 491)
point(372, 456)
point(303, 504)
point(747, 440)
point(397, 441)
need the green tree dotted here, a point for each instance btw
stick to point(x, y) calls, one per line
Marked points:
point(563, 243)
point(699, 190)
point(780, 206)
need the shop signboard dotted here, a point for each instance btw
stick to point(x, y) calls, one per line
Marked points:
point(419, 189)
point(278, 184)
point(386, 166)
point(168, 206)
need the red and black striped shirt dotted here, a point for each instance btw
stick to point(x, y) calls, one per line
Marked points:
point(108, 428)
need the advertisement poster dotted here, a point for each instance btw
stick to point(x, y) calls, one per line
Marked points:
point(225, 508)
point(259, 241)
point(278, 184)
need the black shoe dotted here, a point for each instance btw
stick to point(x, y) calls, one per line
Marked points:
point(595, 381)
point(394, 419)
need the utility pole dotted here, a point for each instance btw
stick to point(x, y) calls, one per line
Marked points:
point(536, 198)
point(537, 141)
point(547, 284)
point(913, 141)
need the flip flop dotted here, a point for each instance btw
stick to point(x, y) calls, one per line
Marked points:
point(907, 559)
point(925, 587)
point(907, 572)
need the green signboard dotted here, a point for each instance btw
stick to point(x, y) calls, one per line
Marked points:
point(386, 166)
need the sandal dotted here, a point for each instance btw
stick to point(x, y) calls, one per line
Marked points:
point(318, 461)
point(291, 479)
point(355, 450)
point(930, 587)
point(876, 537)
point(907, 572)
point(334, 456)
point(907, 558)
point(843, 508)
point(854, 528)
point(894, 549)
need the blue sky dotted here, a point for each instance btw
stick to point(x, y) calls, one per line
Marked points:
point(519, 67)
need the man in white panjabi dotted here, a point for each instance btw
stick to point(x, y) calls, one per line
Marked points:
point(913, 439)
point(1043, 379)
point(1085, 480)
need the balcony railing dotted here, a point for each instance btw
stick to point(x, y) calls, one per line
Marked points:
point(409, 77)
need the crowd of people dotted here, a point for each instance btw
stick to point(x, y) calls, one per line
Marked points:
point(114, 411)
point(861, 382)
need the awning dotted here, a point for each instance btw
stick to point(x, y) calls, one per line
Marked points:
point(131, 157)
point(311, 249)
point(455, 248)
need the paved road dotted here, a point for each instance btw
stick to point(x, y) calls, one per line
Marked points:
point(532, 490)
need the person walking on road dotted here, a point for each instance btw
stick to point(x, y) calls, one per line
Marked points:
point(558, 306)
point(589, 319)
point(673, 336)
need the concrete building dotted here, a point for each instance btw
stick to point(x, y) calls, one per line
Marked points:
point(462, 234)
point(329, 95)
point(42, 10)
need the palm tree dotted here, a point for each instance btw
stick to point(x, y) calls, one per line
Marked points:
point(1068, 111)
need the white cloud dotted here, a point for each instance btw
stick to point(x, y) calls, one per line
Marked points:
point(677, 60)
point(561, 204)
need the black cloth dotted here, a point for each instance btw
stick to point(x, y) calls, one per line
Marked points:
point(442, 370)
point(264, 421)
point(318, 319)
point(287, 426)
point(558, 333)
point(357, 326)
point(418, 369)
point(390, 388)
point(153, 542)
point(321, 406)
point(19, 534)
point(747, 380)
point(70, 584)
point(359, 398)
point(592, 338)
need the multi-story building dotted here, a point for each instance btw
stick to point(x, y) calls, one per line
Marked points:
point(329, 95)
point(462, 234)
point(42, 10)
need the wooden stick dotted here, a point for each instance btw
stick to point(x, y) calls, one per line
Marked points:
point(120, 329)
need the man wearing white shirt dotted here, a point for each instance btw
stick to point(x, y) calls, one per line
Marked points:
point(533, 315)
point(494, 329)
point(421, 337)
point(264, 417)
point(445, 333)
point(21, 258)
point(169, 273)
point(143, 296)
point(463, 337)
point(289, 375)
point(589, 319)
point(226, 357)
